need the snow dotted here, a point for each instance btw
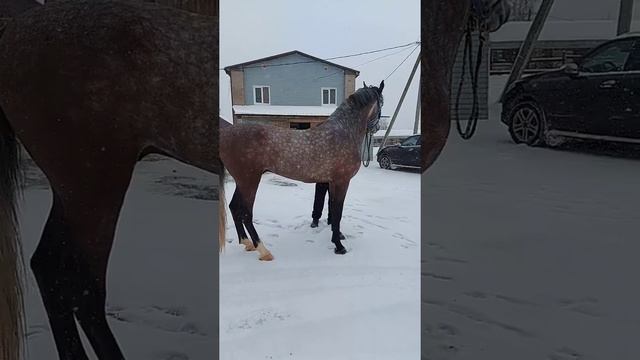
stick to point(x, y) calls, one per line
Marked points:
point(394, 133)
point(528, 253)
point(307, 304)
point(312, 304)
point(560, 30)
point(283, 110)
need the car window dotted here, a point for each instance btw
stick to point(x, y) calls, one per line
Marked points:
point(410, 141)
point(633, 62)
point(609, 58)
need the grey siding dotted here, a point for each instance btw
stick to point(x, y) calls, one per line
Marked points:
point(466, 99)
point(297, 84)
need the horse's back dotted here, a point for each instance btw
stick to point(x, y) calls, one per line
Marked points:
point(130, 73)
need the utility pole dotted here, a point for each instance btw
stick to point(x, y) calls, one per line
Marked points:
point(404, 93)
point(625, 16)
point(417, 123)
point(529, 43)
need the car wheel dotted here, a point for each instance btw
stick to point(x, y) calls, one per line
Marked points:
point(384, 162)
point(526, 124)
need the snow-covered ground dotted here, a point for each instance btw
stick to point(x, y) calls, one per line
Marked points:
point(312, 304)
point(162, 288)
point(307, 304)
point(530, 253)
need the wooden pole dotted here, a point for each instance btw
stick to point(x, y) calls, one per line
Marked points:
point(404, 93)
point(529, 44)
point(625, 16)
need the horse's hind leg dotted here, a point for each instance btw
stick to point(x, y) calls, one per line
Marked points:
point(337, 194)
point(70, 262)
point(237, 212)
point(51, 265)
point(248, 188)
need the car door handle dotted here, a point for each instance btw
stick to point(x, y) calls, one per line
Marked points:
point(608, 84)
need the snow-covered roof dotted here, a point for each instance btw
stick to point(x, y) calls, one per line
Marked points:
point(283, 110)
point(395, 133)
point(560, 30)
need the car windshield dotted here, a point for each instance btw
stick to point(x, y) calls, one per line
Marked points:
point(412, 141)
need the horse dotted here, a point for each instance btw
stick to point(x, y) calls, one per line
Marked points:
point(88, 88)
point(444, 22)
point(249, 150)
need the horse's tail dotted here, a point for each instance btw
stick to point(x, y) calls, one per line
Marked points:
point(222, 210)
point(11, 291)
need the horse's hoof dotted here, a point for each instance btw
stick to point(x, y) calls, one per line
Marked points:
point(248, 245)
point(266, 257)
point(340, 251)
point(314, 224)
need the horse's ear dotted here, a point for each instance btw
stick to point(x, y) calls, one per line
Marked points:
point(381, 86)
point(364, 83)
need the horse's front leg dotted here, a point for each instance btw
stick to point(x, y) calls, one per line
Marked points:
point(337, 194)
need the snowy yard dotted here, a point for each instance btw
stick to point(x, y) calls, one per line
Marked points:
point(307, 304)
point(530, 253)
point(162, 288)
point(312, 304)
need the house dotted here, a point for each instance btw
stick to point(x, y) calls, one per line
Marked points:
point(559, 42)
point(292, 89)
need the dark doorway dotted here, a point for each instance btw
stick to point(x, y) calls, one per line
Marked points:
point(299, 126)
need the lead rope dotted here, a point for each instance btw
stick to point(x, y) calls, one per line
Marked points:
point(366, 149)
point(467, 59)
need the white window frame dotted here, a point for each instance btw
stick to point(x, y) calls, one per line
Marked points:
point(329, 97)
point(255, 101)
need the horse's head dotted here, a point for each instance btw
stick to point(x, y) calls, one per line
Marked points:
point(491, 14)
point(373, 100)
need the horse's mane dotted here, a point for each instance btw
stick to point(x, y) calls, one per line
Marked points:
point(364, 96)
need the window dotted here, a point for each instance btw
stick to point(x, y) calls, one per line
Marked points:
point(329, 96)
point(633, 63)
point(608, 58)
point(261, 95)
point(412, 141)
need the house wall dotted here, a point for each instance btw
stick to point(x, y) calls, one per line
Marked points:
point(349, 84)
point(281, 121)
point(297, 84)
point(237, 87)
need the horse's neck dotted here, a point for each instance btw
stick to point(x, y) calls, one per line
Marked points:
point(347, 123)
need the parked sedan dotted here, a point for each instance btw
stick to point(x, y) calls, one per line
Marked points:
point(596, 98)
point(405, 154)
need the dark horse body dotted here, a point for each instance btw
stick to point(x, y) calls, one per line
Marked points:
point(328, 153)
point(443, 27)
point(89, 88)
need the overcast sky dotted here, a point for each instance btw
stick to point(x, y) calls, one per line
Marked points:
point(251, 29)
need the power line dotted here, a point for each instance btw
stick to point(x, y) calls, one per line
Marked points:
point(405, 59)
point(364, 63)
point(332, 58)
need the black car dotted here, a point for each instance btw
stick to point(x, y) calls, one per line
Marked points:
point(596, 98)
point(405, 154)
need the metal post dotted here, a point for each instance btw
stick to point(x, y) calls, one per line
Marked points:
point(404, 93)
point(418, 106)
point(528, 45)
point(625, 16)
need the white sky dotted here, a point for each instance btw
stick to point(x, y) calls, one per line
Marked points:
point(251, 29)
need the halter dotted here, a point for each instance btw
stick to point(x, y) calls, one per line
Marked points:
point(372, 127)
